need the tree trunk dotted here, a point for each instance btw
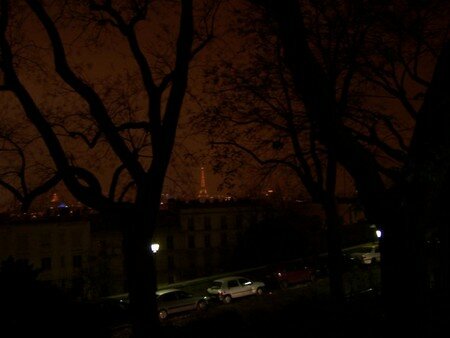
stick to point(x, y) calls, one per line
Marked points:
point(334, 249)
point(426, 176)
point(403, 272)
point(138, 227)
point(416, 214)
point(400, 212)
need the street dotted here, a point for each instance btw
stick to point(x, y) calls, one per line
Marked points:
point(281, 308)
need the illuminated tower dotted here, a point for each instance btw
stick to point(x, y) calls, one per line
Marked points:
point(203, 193)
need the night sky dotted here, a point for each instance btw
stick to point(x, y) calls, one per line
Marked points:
point(103, 59)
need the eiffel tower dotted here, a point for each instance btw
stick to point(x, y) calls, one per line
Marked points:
point(203, 193)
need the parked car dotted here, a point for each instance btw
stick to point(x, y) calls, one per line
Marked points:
point(171, 301)
point(107, 312)
point(320, 264)
point(291, 272)
point(365, 254)
point(227, 288)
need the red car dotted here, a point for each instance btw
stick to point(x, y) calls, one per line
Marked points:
point(291, 273)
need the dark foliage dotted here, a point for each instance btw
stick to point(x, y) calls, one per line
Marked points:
point(276, 239)
point(35, 308)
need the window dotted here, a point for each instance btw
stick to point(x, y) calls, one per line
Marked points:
point(232, 283)
point(244, 281)
point(170, 263)
point(77, 261)
point(183, 295)
point(207, 222)
point(223, 222)
point(102, 247)
point(223, 240)
point(191, 242)
point(208, 264)
point(62, 237)
point(239, 220)
point(169, 242)
point(22, 243)
point(45, 241)
point(171, 279)
point(46, 263)
point(207, 241)
point(75, 239)
point(168, 297)
point(254, 219)
point(191, 223)
point(192, 264)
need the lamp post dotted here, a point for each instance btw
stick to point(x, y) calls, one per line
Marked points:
point(154, 247)
point(378, 233)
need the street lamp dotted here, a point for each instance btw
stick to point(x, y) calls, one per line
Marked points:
point(154, 247)
point(378, 233)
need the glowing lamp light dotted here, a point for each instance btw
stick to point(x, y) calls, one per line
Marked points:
point(378, 233)
point(154, 247)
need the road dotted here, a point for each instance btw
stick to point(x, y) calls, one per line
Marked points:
point(302, 310)
point(276, 304)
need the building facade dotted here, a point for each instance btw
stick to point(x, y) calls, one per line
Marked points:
point(58, 249)
point(198, 239)
point(84, 254)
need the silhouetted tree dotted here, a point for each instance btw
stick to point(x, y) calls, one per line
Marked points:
point(22, 174)
point(257, 116)
point(404, 205)
point(135, 126)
